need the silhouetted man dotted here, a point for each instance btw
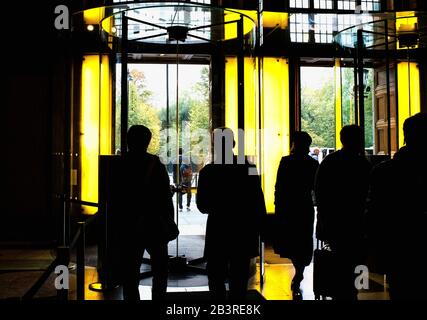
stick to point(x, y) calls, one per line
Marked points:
point(146, 197)
point(294, 215)
point(341, 189)
point(230, 192)
point(397, 214)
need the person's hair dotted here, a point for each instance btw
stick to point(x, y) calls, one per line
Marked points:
point(301, 142)
point(138, 138)
point(415, 129)
point(351, 137)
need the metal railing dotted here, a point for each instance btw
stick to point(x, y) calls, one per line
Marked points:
point(63, 258)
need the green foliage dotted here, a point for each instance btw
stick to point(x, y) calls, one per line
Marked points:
point(318, 114)
point(318, 110)
point(140, 110)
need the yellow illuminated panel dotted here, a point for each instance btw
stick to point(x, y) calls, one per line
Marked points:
point(405, 24)
point(106, 121)
point(269, 20)
point(95, 123)
point(93, 16)
point(89, 130)
point(251, 107)
point(273, 19)
point(231, 95)
point(338, 104)
point(408, 93)
point(230, 29)
point(275, 122)
point(251, 99)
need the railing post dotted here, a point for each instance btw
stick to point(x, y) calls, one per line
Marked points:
point(81, 261)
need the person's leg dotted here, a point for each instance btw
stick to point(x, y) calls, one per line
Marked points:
point(239, 276)
point(296, 281)
point(188, 196)
point(217, 272)
point(132, 259)
point(159, 264)
point(344, 285)
point(179, 195)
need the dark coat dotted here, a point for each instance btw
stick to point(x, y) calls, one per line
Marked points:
point(145, 196)
point(341, 189)
point(294, 208)
point(234, 201)
point(397, 213)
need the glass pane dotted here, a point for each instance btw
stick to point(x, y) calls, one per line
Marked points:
point(318, 107)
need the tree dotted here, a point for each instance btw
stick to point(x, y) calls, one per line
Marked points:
point(318, 114)
point(140, 110)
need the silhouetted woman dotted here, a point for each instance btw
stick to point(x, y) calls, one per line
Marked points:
point(294, 207)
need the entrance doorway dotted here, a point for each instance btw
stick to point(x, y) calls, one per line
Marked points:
point(173, 101)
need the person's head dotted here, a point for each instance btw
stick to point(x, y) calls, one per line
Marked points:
point(301, 142)
point(415, 132)
point(138, 138)
point(180, 151)
point(352, 138)
point(223, 144)
point(316, 151)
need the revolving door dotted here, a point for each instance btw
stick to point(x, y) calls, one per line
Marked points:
point(383, 67)
point(160, 46)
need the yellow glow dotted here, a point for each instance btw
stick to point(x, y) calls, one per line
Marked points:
point(231, 95)
point(408, 93)
point(251, 106)
point(230, 30)
point(106, 123)
point(95, 123)
point(403, 23)
point(275, 122)
point(93, 16)
point(273, 19)
point(338, 104)
point(89, 130)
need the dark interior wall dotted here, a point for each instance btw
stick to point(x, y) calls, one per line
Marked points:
point(33, 73)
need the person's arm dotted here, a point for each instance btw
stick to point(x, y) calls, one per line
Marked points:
point(280, 186)
point(164, 190)
point(203, 197)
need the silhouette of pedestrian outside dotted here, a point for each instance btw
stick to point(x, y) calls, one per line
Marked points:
point(147, 203)
point(294, 208)
point(187, 178)
point(397, 214)
point(182, 178)
point(234, 202)
point(341, 189)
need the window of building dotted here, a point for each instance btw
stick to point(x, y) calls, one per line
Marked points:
point(305, 4)
point(299, 27)
point(325, 25)
point(346, 5)
point(323, 4)
point(371, 5)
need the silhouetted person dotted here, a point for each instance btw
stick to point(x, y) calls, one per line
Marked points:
point(146, 196)
point(397, 214)
point(341, 189)
point(230, 193)
point(294, 207)
point(187, 178)
point(182, 177)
